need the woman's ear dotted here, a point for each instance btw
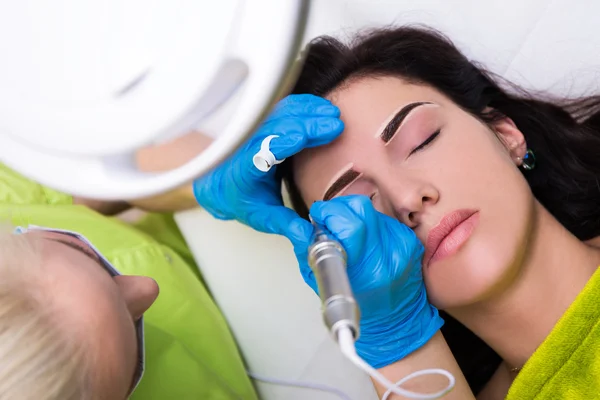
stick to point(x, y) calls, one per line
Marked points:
point(512, 138)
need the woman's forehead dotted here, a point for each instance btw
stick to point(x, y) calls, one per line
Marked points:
point(380, 91)
point(366, 105)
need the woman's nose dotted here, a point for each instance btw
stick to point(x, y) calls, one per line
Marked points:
point(409, 197)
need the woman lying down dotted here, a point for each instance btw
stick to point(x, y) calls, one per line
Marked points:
point(448, 193)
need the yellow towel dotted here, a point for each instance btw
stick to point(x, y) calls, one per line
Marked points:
point(567, 363)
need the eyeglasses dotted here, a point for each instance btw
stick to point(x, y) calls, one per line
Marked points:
point(102, 261)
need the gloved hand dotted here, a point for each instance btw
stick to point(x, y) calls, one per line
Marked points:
point(384, 268)
point(238, 190)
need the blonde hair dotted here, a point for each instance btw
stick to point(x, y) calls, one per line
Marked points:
point(38, 359)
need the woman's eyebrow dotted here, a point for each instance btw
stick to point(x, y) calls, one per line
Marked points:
point(392, 127)
point(340, 183)
point(386, 135)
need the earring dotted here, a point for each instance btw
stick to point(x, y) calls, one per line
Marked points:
point(528, 160)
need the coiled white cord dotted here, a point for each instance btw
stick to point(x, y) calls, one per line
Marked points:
point(346, 342)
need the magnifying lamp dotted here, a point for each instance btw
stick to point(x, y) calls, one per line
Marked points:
point(84, 84)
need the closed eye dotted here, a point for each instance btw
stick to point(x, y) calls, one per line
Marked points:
point(426, 142)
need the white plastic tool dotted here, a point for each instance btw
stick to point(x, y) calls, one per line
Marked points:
point(87, 83)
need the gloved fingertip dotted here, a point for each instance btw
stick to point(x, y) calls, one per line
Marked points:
point(331, 126)
point(303, 98)
point(285, 146)
point(338, 125)
point(300, 232)
point(325, 131)
point(198, 189)
point(328, 111)
point(309, 278)
point(287, 140)
point(316, 212)
point(360, 204)
point(304, 104)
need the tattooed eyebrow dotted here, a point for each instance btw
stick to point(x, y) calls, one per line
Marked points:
point(342, 182)
point(392, 127)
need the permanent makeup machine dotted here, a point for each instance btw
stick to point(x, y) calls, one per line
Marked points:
point(87, 83)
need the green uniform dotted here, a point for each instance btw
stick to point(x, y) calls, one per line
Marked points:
point(190, 352)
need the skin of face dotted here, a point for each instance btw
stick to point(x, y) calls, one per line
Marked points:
point(97, 309)
point(467, 166)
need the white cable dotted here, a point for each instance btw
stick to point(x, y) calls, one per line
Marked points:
point(346, 342)
point(300, 384)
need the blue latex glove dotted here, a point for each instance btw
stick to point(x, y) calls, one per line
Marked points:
point(384, 268)
point(238, 190)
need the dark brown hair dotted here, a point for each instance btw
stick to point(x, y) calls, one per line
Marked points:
point(563, 135)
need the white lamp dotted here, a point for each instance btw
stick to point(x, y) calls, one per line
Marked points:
point(86, 83)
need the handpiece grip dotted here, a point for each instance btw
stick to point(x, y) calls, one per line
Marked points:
point(327, 260)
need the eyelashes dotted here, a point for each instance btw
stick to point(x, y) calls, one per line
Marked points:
point(420, 147)
point(350, 176)
point(427, 141)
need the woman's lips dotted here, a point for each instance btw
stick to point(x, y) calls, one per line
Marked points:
point(449, 235)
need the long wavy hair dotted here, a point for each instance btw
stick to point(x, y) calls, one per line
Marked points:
point(564, 134)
